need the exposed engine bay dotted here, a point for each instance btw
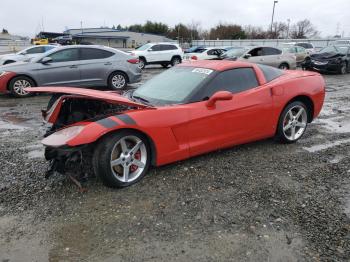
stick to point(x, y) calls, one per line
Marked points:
point(76, 162)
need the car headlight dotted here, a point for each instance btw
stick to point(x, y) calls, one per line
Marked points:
point(62, 136)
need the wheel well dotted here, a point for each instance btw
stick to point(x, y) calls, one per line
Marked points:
point(309, 104)
point(118, 71)
point(176, 56)
point(144, 58)
point(149, 140)
point(285, 63)
point(8, 83)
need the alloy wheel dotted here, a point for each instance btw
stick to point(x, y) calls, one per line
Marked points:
point(19, 85)
point(118, 81)
point(294, 123)
point(128, 158)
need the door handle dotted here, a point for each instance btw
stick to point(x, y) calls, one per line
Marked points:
point(108, 63)
point(73, 66)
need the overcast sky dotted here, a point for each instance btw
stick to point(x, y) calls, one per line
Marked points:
point(25, 17)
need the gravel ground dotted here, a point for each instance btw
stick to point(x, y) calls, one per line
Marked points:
point(257, 202)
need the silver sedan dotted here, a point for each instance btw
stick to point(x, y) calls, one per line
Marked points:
point(77, 66)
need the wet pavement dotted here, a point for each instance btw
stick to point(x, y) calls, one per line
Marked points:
point(257, 202)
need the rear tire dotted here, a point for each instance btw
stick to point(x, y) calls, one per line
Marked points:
point(175, 60)
point(284, 66)
point(122, 158)
point(17, 85)
point(292, 122)
point(117, 81)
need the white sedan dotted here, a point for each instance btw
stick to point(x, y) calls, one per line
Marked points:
point(25, 54)
point(207, 53)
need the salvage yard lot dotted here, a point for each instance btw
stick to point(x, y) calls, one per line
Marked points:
point(257, 202)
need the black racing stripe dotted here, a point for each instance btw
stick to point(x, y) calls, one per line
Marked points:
point(107, 123)
point(126, 119)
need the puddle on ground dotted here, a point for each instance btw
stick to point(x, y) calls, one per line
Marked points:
point(320, 147)
point(336, 124)
point(336, 159)
point(9, 126)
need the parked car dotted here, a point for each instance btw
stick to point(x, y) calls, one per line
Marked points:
point(72, 66)
point(300, 53)
point(262, 55)
point(193, 49)
point(25, 54)
point(333, 59)
point(63, 40)
point(207, 53)
point(164, 54)
point(309, 47)
point(188, 110)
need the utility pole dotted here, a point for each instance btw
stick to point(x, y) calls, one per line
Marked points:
point(288, 20)
point(273, 14)
point(81, 27)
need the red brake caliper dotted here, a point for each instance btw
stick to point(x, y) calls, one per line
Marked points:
point(137, 156)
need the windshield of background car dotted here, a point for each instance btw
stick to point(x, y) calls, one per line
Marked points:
point(144, 47)
point(174, 86)
point(235, 52)
point(335, 49)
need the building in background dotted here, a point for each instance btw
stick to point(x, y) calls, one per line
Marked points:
point(113, 37)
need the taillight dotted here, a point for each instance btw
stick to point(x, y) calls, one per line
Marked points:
point(194, 57)
point(133, 61)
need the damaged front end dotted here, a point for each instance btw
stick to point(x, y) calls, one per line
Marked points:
point(73, 113)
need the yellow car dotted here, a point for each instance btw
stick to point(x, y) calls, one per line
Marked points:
point(40, 41)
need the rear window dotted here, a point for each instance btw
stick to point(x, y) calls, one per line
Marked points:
point(270, 73)
point(93, 53)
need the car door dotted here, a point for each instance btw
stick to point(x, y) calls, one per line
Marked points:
point(213, 54)
point(255, 55)
point(300, 54)
point(94, 65)
point(154, 54)
point(271, 56)
point(62, 70)
point(167, 52)
point(245, 118)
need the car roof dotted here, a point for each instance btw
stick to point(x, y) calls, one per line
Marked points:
point(217, 65)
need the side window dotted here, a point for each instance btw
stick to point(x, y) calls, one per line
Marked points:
point(234, 80)
point(300, 49)
point(211, 52)
point(156, 48)
point(256, 52)
point(36, 50)
point(168, 47)
point(271, 51)
point(47, 48)
point(71, 54)
point(269, 72)
point(93, 53)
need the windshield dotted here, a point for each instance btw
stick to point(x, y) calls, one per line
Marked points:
point(144, 47)
point(173, 86)
point(235, 52)
point(335, 49)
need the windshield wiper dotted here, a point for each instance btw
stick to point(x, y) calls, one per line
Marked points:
point(144, 100)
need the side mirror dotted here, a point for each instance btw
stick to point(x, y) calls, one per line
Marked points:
point(247, 56)
point(150, 50)
point(23, 53)
point(218, 96)
point(46, 60)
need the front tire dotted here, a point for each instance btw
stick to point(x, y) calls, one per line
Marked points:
point(343, 69)
point(292, 122)
point(122, 159)
point(117, 80)
point(142, 63)
point(165, 65)
point(17, 85)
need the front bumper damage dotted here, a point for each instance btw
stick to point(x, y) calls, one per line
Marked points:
point(74, 162)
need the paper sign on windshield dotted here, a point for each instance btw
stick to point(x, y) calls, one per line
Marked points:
point(202, 71)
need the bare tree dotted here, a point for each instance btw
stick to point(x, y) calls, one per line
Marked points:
point(255, 32)
point(303, 29)
point(279, 30)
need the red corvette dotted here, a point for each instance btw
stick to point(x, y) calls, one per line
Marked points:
point(188, 110)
